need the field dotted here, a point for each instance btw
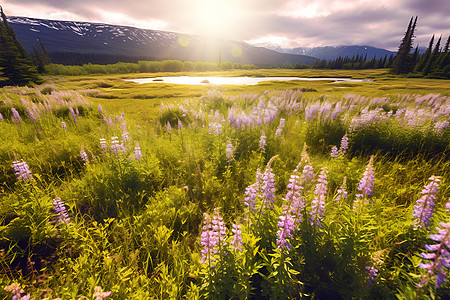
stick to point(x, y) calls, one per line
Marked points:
point(282, 190)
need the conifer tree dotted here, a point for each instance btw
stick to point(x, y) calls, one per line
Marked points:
point(430, 63)
point(422, 61)
point(16, 66)
point(403, 62)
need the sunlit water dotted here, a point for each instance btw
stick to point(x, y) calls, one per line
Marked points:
point(232, 80)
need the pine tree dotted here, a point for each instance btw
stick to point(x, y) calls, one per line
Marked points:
point(16, 66)
point(422, 61)
point(430, 63)
point(403, 62)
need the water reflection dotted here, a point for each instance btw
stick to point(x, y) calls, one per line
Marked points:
point(232, 80)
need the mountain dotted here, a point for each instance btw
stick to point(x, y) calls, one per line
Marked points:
point(330, 53)
point(94, 40)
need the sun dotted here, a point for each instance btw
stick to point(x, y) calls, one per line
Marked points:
point(216, 18)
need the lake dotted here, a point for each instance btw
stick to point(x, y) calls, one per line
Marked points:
point(243, 80)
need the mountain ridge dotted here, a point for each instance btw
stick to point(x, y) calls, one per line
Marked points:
point(106, 39)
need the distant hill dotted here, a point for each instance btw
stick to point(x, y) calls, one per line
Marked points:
point(330, 52)
point(95, 40)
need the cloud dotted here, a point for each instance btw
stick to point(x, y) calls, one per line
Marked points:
point(296, 22)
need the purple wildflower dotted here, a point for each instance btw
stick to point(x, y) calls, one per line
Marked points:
point(84, 156)
point(22, 170)
point(423, 210)
point(100, 109)
point(99, 294)
point(180, 124)
point(103, 145)
point(282, 122)
point(237, 237)
point(366, 183)
point(63, 125)
point(60, 211)
point(440, 256)
point(169, 128)
point(16, 291)
point(31, 114)
point(137, 152)
point(15, 116)
point(1, 117)
point(268, 184)
point(286, 227)
point(218, 226)
point(344, 144)
point(373, 273)
point(278, 132)
point(115, 144)
point(262, 141)
point(213, 235)
point(253, 191)
point(73, 114)
point(318, 204)
point(295, 201)
point(334, 152)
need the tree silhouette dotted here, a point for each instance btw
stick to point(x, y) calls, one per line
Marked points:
point(404, 60)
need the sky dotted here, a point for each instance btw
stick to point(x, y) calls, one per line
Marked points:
point(287, 23)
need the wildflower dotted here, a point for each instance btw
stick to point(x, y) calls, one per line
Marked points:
point(268, 184)
point(60, 211)
point(282, 122)
point(137, 152)
point(344, 144)
point(253, 190)
point(208, 239)
point(230, 149)
point(285, 228)
point(440, 256)
point(169, 128)
point(218, 226)
point(295, 202)
point(367, 181)
point(180, 124)
point(31, 114)
point(16, 290)
point(262, 141)
point(84, 156)
point(22, 170)
point(237, 237)
point(278, 132)
point(73, 114)
point(103, 145)
point(1, 117)
point(334, 152)
point(373, 273)
point(318, 204)
point(441, 126)
point(63, 125)
point(15, 116)
point(100, 109)
point(423, 210)
point(115, 144)
point(99, 294)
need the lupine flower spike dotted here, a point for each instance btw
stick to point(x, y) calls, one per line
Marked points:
point(318, 204)
point(237, 237)
point(60, 210)
point(22, 170)
point(344, 144)
point(334, 152)
point(423, 210)
point(262, 141)
point(439, 256)
point(16, 291)
point(137, 152)
point(365, 186)
point(84, 156)
point(373, 273)
point(99, 294)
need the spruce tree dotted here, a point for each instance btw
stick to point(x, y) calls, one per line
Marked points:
point(16, 66)
point(422, 61)
point(430, 63)
point(404, 61)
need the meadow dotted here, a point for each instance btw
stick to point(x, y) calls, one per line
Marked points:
point(281, 190)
